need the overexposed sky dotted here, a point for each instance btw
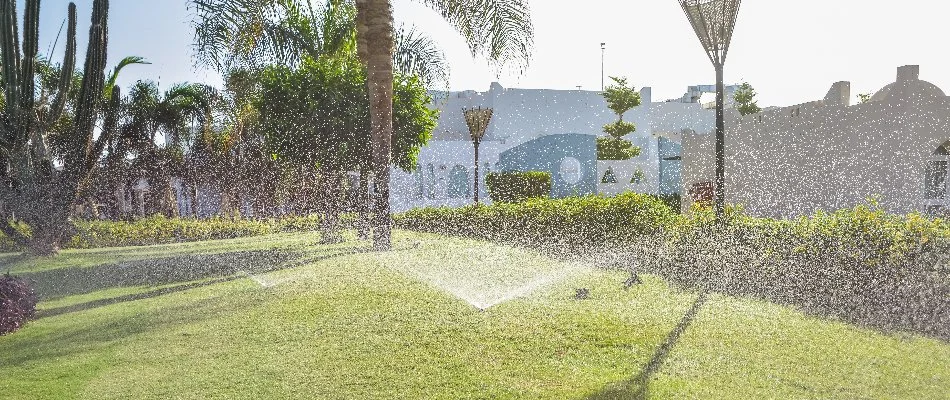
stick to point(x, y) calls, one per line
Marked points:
point(790, 51)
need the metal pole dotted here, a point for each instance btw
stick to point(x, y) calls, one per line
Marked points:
point(602, 49)
point(476, 172)
point(720, 191)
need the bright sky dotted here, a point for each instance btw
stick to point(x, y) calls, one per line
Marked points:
point(790, 51)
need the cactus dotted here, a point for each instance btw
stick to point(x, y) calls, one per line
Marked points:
point(34, 190)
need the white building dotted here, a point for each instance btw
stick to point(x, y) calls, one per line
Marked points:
point(830, 154)
point(552, 130)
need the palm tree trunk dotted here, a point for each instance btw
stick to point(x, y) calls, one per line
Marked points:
point(374, 24)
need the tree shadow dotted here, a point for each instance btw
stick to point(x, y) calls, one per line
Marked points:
point(10, 259)
point(56, 283)
point(107, 330)
point(89, 305)
point(637, 387)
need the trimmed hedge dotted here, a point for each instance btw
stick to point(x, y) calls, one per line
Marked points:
point(861, 265)
point(516, 186)
point(17, 304)
point(161, 230)
point(564, 223)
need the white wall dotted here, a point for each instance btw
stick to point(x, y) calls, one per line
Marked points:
point(522, 115)
point(827, 154)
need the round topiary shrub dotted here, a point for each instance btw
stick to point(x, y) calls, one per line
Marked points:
point(17, 303)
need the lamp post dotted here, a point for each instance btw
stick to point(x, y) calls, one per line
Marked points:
point(714, 22)
point(603, 47)
point(477, 120)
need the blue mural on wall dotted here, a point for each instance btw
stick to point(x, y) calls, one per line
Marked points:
point(570, 158)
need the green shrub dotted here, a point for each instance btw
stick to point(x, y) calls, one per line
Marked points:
point(564, 223)
point(161, 230)
point(17, 303)
point(859, 264)
point(674, 201)
point(611, 149)
point(516, 186)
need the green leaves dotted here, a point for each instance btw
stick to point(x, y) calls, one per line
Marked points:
point(620, 129)
point(516, 186)
point(610, 149)
point(500, 30)
point(620, 97)
point(114, 76)
point(744, 98)
point(319, 114)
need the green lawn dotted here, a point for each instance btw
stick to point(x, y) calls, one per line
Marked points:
point(283, 317)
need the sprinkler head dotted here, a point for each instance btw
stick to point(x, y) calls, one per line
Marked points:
point(582, 294)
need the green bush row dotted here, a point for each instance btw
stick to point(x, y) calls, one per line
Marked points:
point(861, 264)
point(161, 230)
point(517, 186)
point(572, 222)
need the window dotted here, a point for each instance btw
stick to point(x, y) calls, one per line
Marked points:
point(609, 177)
point(935, 179)
point(459, 187)
point(936, 174)
point(571, 170)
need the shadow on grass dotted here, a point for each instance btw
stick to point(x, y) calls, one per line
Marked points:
point(10, 259)
point(638, 387)
point(100, 331)
point(89, 305)
point(285, 261)
point(61, 282)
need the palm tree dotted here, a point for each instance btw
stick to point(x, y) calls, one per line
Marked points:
point(499, 29)
point(248, 32)
point(148, 114)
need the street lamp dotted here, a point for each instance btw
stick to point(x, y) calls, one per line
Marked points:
point(477, 120)
point(714, 22)
point(603, 46)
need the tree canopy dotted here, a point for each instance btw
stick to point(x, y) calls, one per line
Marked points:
point(621, 97)
point(744, 98)
point(318, 113)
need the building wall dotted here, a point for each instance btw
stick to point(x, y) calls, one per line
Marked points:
point(526, 115)
point(828, 154)
point(551, 154)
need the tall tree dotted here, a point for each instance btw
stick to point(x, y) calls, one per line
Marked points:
point(500, 30)
point(150, 113)
point(317, 116)
point(252, 34)
point(37, 191)
point(621, 97)
point(744, 98)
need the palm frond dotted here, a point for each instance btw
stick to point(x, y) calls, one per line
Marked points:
point(416, 54)
point(114, 76)
point(240, 33)
point(500, 30)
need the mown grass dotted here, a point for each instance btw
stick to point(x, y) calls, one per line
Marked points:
point(341, 322)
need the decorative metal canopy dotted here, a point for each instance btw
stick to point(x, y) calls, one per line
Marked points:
point(714, 22)
point(477, 120)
